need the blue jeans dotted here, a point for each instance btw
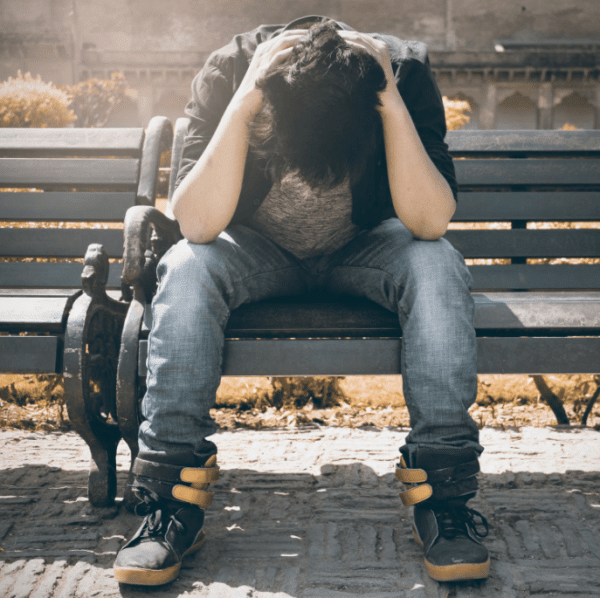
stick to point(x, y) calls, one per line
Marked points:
point(425, 282)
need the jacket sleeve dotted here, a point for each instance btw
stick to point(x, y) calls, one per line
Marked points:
point(212, 90)
point(423, 100)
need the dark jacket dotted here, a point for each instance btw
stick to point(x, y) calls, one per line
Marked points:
point(223, 72)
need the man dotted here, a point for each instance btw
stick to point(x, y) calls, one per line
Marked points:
point(315, 160)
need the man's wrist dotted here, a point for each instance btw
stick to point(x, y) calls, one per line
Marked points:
point(391, 100)
point(246, 105)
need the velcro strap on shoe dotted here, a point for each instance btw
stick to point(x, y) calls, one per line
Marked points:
point(175, 473)
point(200, 475)
point(411, 476)
point(415, 494)
point(193, 496)
point(456, 473)
point(180, 492)
point(455, 489)
point(412, 496)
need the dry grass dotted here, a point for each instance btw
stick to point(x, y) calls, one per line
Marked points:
point(37, 403)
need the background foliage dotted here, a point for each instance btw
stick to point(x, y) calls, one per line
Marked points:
point(26, 101)
point(29, 102)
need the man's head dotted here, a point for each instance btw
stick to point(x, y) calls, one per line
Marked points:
point(319, 116)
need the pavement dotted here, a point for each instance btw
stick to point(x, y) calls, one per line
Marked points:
point(309, 513)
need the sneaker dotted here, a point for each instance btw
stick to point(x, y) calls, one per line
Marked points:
point(168, 533)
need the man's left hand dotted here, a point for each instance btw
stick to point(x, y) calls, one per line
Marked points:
point(380, 51)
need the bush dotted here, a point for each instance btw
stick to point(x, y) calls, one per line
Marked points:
point(29, 102)
point(295, 393)
point(94, 100)
point(455, 113)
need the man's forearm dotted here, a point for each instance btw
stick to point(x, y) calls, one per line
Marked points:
point(421, 196)
point(206, 199)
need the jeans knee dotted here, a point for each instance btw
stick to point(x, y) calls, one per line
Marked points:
point(437, 264)
point(187, 262)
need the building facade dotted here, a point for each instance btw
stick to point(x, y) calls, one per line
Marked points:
point(519, 63)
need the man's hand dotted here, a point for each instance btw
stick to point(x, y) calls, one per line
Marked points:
point(380, 51)
point(267, 55)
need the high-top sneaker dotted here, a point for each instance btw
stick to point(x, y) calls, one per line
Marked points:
point(439, 485)
point(173, 499)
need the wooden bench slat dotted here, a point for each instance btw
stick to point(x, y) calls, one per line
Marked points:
point(561, 172)
point(33, 275)
point(538, 355)
point(533, 243)
point(361, 357)
point(64, 139)
point(492, 206)
point(575, 313)
point(65, 206)
point(523, 142)
point(519, 313)
point(536, 277)
point(85, 171)
point(58, 242)
point(34, 314)
point(47, 292)
point(29, 354)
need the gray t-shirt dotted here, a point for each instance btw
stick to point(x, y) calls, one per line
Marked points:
point(305, 221)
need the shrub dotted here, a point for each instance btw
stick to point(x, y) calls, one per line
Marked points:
point(295, 393)
point(94, 100)
point(455, 113)
point(29, 102)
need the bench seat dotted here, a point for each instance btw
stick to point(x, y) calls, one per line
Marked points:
point(560, 328)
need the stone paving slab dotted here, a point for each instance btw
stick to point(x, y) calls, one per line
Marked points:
point(308, 513)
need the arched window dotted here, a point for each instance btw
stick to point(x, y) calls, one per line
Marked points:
point(574, 110)
point(516, 112)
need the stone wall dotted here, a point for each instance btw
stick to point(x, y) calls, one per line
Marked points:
point(161, 44)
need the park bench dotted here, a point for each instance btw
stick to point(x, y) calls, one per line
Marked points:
point(49, 324)
point(531, 318)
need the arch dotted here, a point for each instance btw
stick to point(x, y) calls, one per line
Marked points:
point(516, 112)
point(575, 110)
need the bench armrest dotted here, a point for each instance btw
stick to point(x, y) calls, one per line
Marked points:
point(158, 138)
point(148, 234)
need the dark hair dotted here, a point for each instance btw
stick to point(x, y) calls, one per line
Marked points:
point(319, 116)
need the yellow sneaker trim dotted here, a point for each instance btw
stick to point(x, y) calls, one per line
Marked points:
point(193, 496)
point(459, 572)
point(411, 476)
point(412, 496)
point(199, 476)
point(147, 577)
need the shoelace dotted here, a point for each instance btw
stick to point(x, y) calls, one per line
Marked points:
point(455, 519)
point(157, 518)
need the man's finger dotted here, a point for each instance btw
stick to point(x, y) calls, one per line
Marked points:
point(281, 55)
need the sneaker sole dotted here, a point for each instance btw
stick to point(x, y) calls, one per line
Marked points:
point(153, 577)
point(459, 572)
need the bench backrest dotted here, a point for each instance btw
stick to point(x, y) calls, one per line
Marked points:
point(64, 176)
point(517, 178)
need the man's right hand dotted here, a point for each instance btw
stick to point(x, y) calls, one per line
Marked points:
point(267, 55)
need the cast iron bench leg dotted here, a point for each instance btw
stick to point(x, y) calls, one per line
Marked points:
point(90, 366)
